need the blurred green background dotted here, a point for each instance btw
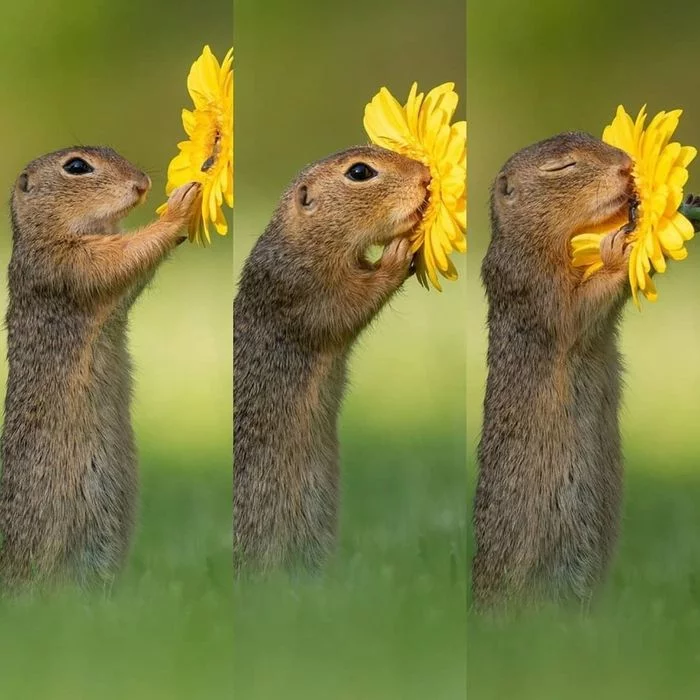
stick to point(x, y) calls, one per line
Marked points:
point(535, 70)
point(99, 72)
point(388, 618)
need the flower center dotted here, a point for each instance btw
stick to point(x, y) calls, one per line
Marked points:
point(433, 194)
point(215, 151)
point(648, 218)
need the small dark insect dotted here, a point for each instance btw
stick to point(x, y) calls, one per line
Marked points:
point(209, 162)
point(633, 214)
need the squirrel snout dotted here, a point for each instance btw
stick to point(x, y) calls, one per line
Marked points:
point(625, 170)
point(142, 185)
point(425, 177)
point(626, 166)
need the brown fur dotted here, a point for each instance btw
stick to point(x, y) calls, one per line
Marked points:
point(68, 491)
point(550, 482)
point(306, 293)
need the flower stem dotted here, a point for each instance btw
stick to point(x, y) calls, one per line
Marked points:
point(691, 210)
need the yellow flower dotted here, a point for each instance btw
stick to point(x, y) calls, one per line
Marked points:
point(421, 130)
point(207, 156)
point(659, 173)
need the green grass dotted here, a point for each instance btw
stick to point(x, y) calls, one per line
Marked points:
point(165, 630)
point(387, 620)
point(642, 638)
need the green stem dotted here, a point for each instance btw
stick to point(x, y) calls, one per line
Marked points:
point(690, 211)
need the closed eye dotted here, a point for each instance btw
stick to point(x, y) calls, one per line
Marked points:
point(556, 166)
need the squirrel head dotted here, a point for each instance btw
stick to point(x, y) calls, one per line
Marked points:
point(561, 186)
point(341, 205)
point(80, 190)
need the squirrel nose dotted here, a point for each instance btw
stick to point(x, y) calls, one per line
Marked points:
point(425, 176)
point(627, 165)
point(142, 185)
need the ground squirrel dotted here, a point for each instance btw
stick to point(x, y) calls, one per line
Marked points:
point(306, 292)
point(550, 480)
point(69, 475)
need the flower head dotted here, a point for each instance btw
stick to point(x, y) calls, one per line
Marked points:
point(659, 174)
point(207, 156)
point(421, 130)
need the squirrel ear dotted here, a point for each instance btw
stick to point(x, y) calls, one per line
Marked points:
point(23, 182)
point(503, 186)
point(304, 201)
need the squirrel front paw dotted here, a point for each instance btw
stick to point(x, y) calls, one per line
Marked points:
point(614, 249)
point(181, 203)
point(396, 260)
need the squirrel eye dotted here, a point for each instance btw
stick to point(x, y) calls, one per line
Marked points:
point(555, 166)
point(77, 166)
point(359, 172)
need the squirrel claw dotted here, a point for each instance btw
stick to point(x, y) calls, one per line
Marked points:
point(397, 256)
point(614, 250)
point(182, 200)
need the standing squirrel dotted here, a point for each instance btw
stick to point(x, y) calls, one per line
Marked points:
point(68, 490)
point(306, 293)
point(549, 490)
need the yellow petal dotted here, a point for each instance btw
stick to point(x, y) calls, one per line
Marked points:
point(421, 130)
point(592, 269)
point(209, 127)
point(660, 174)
